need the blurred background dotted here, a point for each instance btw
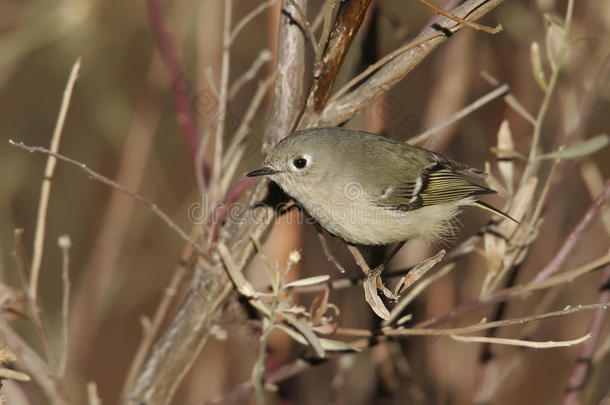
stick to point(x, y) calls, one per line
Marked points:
point(122, 123)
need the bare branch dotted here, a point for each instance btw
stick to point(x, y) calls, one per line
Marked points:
point(64, 243)
point(36, 367)
point(492, 95)
point(520, 342)
point(574, 237)
point(216, 190)
point(288, 90)
point(103, 179)
point(151, 333)
point(46, 186)
point(583, 363)
point(184, 113)
point(263, 57)
point(348, 21)
point(249, 17)
point(472, 25)
point(305, 26)
point(378, 83)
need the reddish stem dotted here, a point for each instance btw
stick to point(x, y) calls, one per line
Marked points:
point(184, 112)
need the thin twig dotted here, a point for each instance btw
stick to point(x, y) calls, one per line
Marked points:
point(51, 385)
point(151, 333)
point(516, 291)
point(300, 365)
point(333, 47)
point(380, 79)
point(304, 23)
point(520, 342)
point(570, 242)
point(249, 17)
point(467, 23)
point(510, 99)
point(184, 112)
point(46, 186)
point(382, 62)
point(549, 93)
point(64, 243)
point(103, 179)
point(200, 161)
point(263, 57)
point(492, 95)
point(234, 153)
point(583, 363)
point(21, 258)
point(45, 192)
point(462, 330)
point(216, 190)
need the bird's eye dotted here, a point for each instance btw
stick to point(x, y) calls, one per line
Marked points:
point(299, 162)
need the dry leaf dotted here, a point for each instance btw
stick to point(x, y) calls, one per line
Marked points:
point(418, 271)
point(537, 69)
point(307, 333)
point(307, 281)
point(506, 167)
point(370, 295)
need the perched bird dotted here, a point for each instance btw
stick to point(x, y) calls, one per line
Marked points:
point(371, 190)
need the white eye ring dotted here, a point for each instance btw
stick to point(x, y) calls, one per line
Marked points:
point(301, 162)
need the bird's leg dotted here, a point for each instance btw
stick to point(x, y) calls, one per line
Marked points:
point(329, 256)
point(374, 273)
point(389, 257)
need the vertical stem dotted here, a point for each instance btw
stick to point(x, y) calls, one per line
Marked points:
point(43, 205)
point(222, 101)
point(548, 94)
point(64, 244)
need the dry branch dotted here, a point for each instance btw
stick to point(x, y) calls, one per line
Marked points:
point(348, 21)
point(35, 366)
point(176, 349)
point(184, 113)
point(384, 78)
point(288, 90)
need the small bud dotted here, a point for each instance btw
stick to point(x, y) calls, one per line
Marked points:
point(294, 257)
point(64, 242)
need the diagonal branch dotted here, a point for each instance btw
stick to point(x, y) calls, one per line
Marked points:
point(348, 21)
point(177, 348)
point(184, 113)
point(379, 82)
point(288, 90)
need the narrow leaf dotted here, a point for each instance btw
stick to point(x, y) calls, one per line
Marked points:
point(307, 333)
point(585, 148)
point(337, 346)
point(536, 62)
point(308, 281)
point(292, 333)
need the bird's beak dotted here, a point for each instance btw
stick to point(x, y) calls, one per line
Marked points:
point(263, 171)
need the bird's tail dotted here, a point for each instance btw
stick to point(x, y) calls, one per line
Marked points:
point(487, 207)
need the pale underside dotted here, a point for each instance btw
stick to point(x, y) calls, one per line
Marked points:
point(362, 223)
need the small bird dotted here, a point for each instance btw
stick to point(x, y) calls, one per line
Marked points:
point(371, 190)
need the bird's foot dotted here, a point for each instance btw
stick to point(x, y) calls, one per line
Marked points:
point(376, 272)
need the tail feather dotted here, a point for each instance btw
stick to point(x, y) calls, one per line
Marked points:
point(487, 207)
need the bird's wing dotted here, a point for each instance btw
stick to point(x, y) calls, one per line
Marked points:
point(440, 183)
